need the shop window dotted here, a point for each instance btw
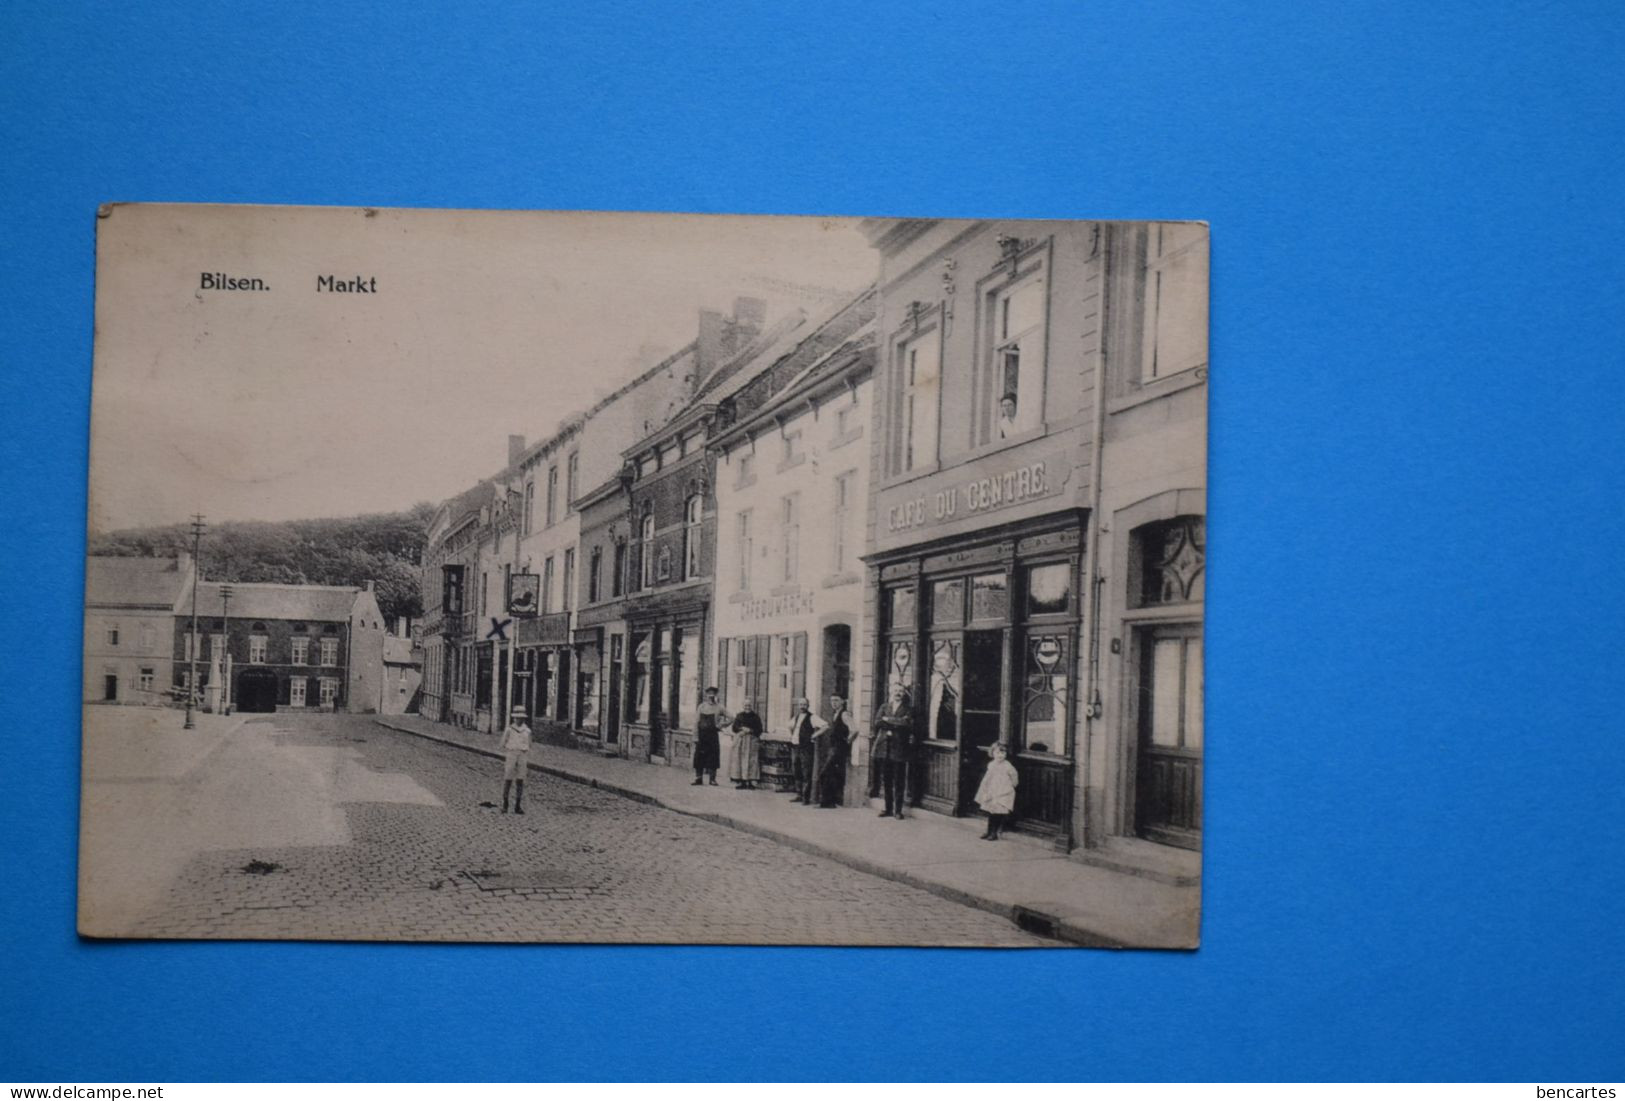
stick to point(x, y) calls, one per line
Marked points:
point(640, 677)
point(990, 597)
point(1172, 558)
point(693, 512)
point(1174, 335)
point(917, 386)
point(900, 609)
point(900, 665)
point(942, 712)
point(587, 663)
point(1043, 718)
point(790, 680)
point(948, 603)
point(1049, 589)
point(1015, 382)
point(686, 677)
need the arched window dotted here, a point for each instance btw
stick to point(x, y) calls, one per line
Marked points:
point(646, 552)
point(692, 512)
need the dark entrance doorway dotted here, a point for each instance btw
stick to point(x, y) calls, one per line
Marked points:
point(1168, 781)
point(836, 665)
point(110, 688)
point(982, 703)
point(256, 691)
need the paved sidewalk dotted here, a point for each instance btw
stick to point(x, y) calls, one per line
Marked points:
point(1019, 879)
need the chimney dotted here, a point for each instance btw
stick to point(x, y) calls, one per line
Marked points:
point(368, 585)
point(516, 448)
point(709, 349)
point(750, 316)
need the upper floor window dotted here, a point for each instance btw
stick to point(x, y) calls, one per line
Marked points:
point(1171, 558)
point(617, 577)
point(451, 589)
point(595, 568)
point(693, 510)
point(301, 651)
point(793, 452)
point(1015, 384)
point(547, 585)
point(790, 523)
point(842, 520)
point(743, 547)
point(1174, 334)
point(112, 634)
point(330, 651)
point(572, 475)
point(530, 504)
point(747, 469)
point(257, 646)
point(567, 597)
point(918, 377)
point(552, 494)
point(646, 552)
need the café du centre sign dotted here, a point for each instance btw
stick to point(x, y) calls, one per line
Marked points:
point(971, 496)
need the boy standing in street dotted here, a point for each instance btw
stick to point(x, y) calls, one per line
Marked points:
point(515, 759)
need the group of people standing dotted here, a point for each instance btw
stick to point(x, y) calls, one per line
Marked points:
point(819, 750)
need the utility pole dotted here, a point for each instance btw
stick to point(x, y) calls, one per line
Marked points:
point(225, 666)
point(191, 643)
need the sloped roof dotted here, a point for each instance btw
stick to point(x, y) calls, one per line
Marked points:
point(261, 600)
point(398, 651)
point(134, 582)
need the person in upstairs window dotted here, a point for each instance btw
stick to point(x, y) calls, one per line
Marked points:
point(744, 766)
point(1007, 415)
point(515, 759)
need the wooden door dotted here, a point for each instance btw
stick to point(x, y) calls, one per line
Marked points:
point(1168, 783)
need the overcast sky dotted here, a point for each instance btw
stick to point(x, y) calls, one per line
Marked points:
point(290, 403)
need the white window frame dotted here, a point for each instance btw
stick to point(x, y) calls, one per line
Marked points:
point(790, 523)
point(112, 634)
point(327, 690)
point(296, 692)
point(1161, 256)
point(919, 402)
point(1023, 343)
point(330, 652)
point(845, 483)
point(258, 646)
point(693, 521)
point(145, 677)
point(300, 650)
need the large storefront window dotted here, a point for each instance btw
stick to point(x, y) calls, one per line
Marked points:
point(688, 679)
point(1043, 720)
point(942, 713)
point(587, 688)
point(1049, 589)
point(640, 678)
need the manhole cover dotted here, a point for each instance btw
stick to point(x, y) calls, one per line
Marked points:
point(544, 879)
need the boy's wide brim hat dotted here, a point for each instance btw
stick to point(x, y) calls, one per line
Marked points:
point(519, 712)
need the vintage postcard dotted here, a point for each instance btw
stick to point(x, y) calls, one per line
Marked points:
point(579, 577)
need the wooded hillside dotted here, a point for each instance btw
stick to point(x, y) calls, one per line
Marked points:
point(383, 547)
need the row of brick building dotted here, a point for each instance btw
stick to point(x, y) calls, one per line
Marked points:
point(982, 478)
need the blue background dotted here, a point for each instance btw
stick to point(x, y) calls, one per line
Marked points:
point(1414, 862)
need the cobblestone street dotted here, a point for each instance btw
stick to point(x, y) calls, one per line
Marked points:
point(426, 860)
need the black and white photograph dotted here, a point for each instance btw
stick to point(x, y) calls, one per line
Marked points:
point(645, 578)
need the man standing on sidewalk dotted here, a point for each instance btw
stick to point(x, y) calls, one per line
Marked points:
point(894, 749)
point(515, 759)
point(802, 728)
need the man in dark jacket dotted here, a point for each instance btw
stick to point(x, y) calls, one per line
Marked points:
point(894, 749)
point(802, 728)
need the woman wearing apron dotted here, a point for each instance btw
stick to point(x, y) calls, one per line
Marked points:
point(708, 739)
